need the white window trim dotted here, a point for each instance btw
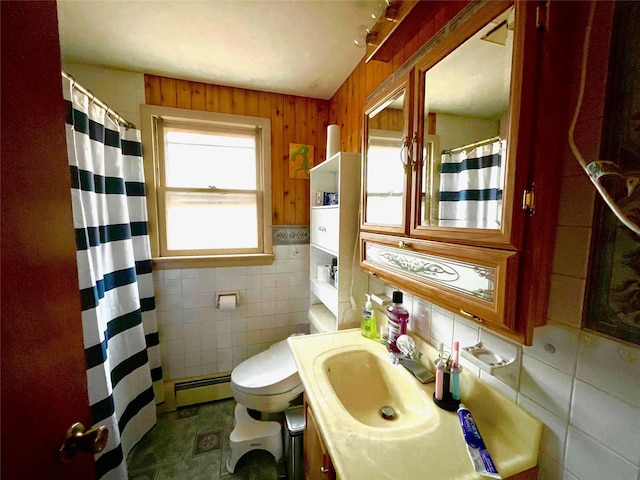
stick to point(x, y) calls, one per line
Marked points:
point(150, 154)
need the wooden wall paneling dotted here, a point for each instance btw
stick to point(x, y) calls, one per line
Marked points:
point(356, 145)
point(322, 121)
point(183, 94)
point(300, 186)
point(387, 70)
point(198, 96)
point(169, 92)
point(288, 137)
point(253, 107)
point(398, 59)
point(265, 105)
point(411, 46)
point(277, 156)
point(226, 101)
point(212, 94)
point(352, 85)
point(368, 80)
point(377, 73)
point(153, 90)
point(238, 101)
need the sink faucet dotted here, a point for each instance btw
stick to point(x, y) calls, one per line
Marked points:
point(410, 359)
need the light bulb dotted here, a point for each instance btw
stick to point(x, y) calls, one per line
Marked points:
point(378, 10)
point(361, 35)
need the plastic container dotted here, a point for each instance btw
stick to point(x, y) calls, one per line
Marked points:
point(397, 320)
point(368, 327)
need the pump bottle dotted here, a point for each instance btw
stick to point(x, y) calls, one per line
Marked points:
point(368, 326)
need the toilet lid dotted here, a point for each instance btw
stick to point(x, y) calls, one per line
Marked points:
point(269, 372)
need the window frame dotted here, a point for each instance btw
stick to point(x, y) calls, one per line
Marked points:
point(153, 148)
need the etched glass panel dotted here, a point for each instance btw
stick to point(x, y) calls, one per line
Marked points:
point(466, 278)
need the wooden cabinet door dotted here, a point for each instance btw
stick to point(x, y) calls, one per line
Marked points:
point(317, 463)
point(387, 159)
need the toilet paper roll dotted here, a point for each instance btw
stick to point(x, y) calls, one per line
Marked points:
point(333, 140)
point(323, 273)
point(227, 302)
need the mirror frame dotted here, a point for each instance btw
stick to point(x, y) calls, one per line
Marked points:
point(378, 98)
point(521, 108)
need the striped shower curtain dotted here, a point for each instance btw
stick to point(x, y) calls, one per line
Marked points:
point(114, 269)
point(471, 185)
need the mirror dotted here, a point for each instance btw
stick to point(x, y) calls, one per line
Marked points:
point(465, 127)
point(385, 175)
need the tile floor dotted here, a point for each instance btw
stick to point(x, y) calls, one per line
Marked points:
point(192, 444)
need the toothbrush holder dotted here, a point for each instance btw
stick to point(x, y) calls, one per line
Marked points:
point(450, 400)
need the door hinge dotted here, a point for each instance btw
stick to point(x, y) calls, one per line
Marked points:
point(542, 16)
point(529, 201)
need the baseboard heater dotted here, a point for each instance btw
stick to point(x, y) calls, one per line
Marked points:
point(201, 390)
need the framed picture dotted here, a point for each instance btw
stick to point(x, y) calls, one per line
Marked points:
point(300, 160)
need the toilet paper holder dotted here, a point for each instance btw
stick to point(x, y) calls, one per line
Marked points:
point(234, 293)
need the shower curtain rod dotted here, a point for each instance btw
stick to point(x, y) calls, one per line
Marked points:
point(472, 145)
point(92, 99)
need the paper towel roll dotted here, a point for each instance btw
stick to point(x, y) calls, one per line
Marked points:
point(333, 140)
point(227, 302)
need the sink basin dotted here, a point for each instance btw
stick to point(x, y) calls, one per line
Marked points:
point(366, 383)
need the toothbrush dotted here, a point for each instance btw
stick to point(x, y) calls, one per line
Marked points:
point(455, 375)
point(456, 353)
point(439, 390)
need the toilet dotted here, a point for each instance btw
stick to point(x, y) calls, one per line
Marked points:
point(266, 384)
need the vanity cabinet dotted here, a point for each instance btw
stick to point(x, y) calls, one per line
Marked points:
point(447, 172)
point(335, 198)
point(317, 463)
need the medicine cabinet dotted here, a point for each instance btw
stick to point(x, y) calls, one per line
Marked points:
point(447, 146)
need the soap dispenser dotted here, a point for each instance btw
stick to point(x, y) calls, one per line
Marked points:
point(368, 326)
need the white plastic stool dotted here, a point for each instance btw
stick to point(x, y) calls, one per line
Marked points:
point(249, 434)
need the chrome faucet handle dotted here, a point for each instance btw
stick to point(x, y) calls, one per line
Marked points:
point(408, 347)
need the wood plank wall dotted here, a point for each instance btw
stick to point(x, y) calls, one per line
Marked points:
point(299, 119)
point(347, 105)
point(293, 120)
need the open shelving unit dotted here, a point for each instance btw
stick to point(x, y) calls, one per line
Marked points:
point(334, 234)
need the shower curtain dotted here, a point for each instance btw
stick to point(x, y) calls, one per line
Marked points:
point(114, 269)
point(471, 184)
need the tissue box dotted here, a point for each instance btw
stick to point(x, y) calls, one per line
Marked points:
point(326, 198)
point(330, 198)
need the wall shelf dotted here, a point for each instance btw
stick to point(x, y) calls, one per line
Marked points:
point(334, 233)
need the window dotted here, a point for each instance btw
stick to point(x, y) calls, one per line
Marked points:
point(209, 187)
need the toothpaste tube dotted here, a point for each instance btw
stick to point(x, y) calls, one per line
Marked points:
point(482, 461)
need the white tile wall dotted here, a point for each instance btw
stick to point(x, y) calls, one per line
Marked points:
point(588, 459)
point(584, 388)
point(196, 338)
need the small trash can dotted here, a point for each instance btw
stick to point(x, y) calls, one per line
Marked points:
point(295, 422)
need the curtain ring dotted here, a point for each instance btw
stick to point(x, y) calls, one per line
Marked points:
point(73, 80)
point(93, 97)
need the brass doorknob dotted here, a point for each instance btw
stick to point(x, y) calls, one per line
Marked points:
point(80, 440)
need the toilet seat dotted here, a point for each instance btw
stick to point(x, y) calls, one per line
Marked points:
point(271, 372)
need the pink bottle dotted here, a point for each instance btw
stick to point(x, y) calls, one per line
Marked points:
point(398, 318)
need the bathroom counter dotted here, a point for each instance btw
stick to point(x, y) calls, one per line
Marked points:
point(363, 452)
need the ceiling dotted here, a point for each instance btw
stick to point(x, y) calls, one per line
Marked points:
point(296, 47)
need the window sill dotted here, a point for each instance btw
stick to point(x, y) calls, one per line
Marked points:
point(168, 263)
